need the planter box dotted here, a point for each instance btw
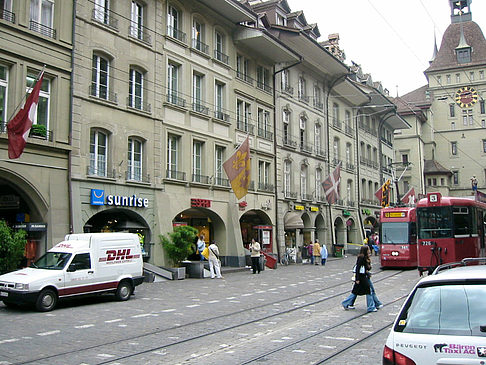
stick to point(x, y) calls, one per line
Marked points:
point(179, 273)
point(194, 269)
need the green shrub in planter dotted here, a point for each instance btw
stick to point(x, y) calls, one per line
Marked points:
point(179, 244)
point(38, 130)
point(12, 246)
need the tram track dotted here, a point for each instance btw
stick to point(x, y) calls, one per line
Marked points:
point(204, 322)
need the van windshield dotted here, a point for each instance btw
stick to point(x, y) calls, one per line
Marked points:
point(52, 261)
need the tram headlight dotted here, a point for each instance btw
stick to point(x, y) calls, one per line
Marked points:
point(394, 253)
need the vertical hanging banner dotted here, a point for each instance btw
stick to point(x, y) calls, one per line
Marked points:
point(19, 126)
point(383, 194)
point(332, 185)
point(237, 167)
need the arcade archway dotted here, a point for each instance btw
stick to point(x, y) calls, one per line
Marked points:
point(257, 224)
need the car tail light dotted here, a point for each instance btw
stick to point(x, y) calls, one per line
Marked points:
point(391, 357)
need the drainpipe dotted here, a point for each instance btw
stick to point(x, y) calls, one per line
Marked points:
point(70, 136)
point(275, 149)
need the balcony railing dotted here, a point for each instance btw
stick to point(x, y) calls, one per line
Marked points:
point(289, 142)
point(202, 179)
point(265, 134)
point(139, 104)
point(173, 98)
point(288, 89)
point(318, 105)
point(200, 108)
point(245, 127)
point(137, 176)
point(348, 130)
point(221, 115)
point(200, 46)
point(105, 17)
point(244, 77)
point(337, 124)
point(350, 166)
point(307, 197)
point(43, 29)
point(290, 195)
point(321, 153)
point(101, 171)
point(7, 15)
point(264, 86)
point(221, 57)
point(175, 175)
point(266, 187)
point(221, 181)
point(304, 99)
point(176, 34)
point(140, 33)
point(102, 92)
point(305, 147)
point(350, 203)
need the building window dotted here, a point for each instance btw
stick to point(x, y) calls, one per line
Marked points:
point(303, 182)
point(317, 97)
point(219, 101)
point(281, 19)
point(458, 78)
point(264, 128)
point(337, 156)
point(173, 82)
point(264, 175)
point(302, 92)
point(286, 127)
point(453, 125)
point(197, 148)
point(454, 148)
point(219, 52)
point(243, 111)
point(317, 139)
point(198, 37)
point(134, 159)
point(287, 179)
point(243, 68)
point(135, 92)
point(198, 94)
point(3, 97)
point(285, 81)
point(303, 134)
point(349, 190)
point(481, 107)
point(467, 117)
point(98, 148)
point(471, 76)
point(455, 177)
point(102, 11)
point(405, 159)
point(41, 14)
point(318, 184)
point(481, 75)
point(173, 156)
point(263, 78)
point(483, 123)
point(137, 29)
point(439, 80)
point(41, 115)
point(100, 77)
point(484, 145)
point(349, 157)
point(448, 79)
point(174, 24)
point(218, 165)
point(463, 56)
point(452, 110)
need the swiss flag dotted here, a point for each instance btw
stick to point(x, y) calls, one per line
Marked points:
point(409, 198)
point(331, 185)
point(19, 126)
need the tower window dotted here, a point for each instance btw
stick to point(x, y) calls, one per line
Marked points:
point(464, 55)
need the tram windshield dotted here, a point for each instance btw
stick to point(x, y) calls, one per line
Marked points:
point(394, 232)
point(435, 222)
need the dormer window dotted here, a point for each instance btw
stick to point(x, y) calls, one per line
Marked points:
point(463, 55)
point(281, 20)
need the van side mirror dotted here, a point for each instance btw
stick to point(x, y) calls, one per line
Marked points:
point(482, 328)
point(72, 268)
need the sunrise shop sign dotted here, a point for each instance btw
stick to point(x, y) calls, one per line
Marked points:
point(98, 198)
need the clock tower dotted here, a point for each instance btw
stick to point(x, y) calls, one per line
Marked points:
point(460, 10)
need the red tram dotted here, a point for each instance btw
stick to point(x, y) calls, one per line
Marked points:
point(398, 237)
point(449, 229)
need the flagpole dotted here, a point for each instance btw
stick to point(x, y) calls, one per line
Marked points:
point(26, 94)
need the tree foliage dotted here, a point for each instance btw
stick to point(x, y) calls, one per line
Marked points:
point(12, 247)
point(179, 244)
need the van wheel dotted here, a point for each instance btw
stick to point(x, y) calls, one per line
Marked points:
point(123, 291)
point(46, 301)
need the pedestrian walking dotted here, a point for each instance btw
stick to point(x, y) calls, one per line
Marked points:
point(214, 261)
point(255, 256)
point(305, 253)
point(362, 284)
point(309, 251)
point(376, 242)
point(316, 251)
point(323, 254)
point(201, 245)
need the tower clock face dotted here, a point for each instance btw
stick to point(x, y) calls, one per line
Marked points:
point(466, 97)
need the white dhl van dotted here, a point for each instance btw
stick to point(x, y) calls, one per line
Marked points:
point(88, 263)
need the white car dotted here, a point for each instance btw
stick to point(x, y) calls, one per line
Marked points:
point(443, 321)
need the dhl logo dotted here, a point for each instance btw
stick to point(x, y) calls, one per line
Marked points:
point(118, 255)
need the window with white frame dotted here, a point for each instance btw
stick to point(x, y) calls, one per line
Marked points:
point(348, 121)
point(135, 86)
point(318, 186)
point(349, 156)
point(218, 164)
point(263, 78)
point(243, 111)
point(317, 96)
point(455, 177)
point(198, 36)
point(219, 103)
point(172, 156)
point(198, 93)
point(317, 139)
point(137, 21)
point(100, 77)
point(335, 114)
point(303, 182)
point(41, 115)
point(303, 133)
point(197, 150)
point(454, 148)
point(286, 126)
point(174, 24)
point(3, 97)
point(41, 15)
point(102, 11)
point(173, 75)
point(220, 51)
point(484, 145)
point(302, 92)
point(467, 117)
point(264, 124)
point(285, 80)
point(287, 178)
point(98, 148)
point(134, 159)
point(263, 175)
point(349, 190)
point(242, 68)
point(335, 147)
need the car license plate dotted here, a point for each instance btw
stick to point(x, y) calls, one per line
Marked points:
point(3, 294)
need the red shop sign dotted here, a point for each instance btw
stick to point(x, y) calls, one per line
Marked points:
point(200, 203)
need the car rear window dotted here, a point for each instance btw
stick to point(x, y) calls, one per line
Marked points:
point(445, 310)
